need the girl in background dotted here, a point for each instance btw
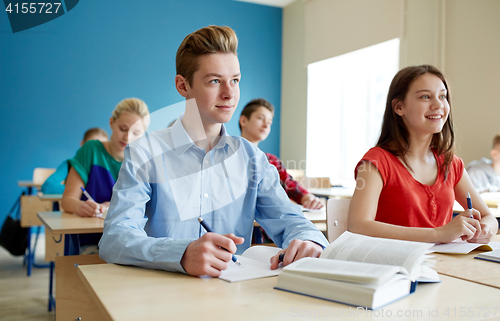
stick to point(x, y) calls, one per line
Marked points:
point(96, 165)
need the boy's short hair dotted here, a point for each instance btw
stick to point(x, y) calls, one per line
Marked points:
point(253, 105)
point(94, 132)
point(207, 40)
point(496, 141)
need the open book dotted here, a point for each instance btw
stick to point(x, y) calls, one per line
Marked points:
point(255, 263)
point(462, 247)
point(360, 270)
point(493, 256)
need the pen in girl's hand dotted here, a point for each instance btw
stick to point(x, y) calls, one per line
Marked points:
point(469, 205)
point(90, 198)
point(87, 194)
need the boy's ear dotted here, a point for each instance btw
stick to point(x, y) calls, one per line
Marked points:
point(494, 153)
point(243, 121)
point(397, 106)
point(181, 85)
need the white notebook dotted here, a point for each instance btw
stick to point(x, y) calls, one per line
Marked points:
point(255, 264)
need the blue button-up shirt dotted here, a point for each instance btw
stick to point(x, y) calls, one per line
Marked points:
point(166, 182)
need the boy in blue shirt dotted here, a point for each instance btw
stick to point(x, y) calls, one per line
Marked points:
point(194, 169)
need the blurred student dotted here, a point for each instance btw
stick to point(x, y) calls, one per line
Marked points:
point(55, 183)
point(485, 173)
point(407, 184)
point(96, 164)
point(255, 125)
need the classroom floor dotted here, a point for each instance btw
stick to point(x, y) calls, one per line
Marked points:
point(23, 297)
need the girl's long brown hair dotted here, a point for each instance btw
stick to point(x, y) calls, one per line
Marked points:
point(394, 136)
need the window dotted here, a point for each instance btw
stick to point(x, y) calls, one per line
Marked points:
point(345, 105)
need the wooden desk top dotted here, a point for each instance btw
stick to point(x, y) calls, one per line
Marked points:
point(468, 268)
point(66, 223)
point(50, 197)
point(131, 293)
point(28, 184)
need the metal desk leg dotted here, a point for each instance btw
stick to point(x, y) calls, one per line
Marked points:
point(33, 251)
point(29, 258)
point(52, 301)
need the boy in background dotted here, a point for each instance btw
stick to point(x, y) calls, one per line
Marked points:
point(485, 173)
point(255, 125)
point(55, 183)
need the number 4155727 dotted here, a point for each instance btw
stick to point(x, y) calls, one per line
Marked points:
point(33, 7)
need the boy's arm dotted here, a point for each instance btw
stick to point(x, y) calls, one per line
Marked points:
point(124, 239)
point(479, 179)
point(282, 220)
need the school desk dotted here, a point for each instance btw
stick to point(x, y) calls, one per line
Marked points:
point(125, 293)
point(333, 192)
point(30, 205)
point(29, 186)
point(54, 243)
point(318, 218)
point(466, 267)
point(61, 226)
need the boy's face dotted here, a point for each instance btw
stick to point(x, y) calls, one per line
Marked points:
point(258, 127)
point(216, 87)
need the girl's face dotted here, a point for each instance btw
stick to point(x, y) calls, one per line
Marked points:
point(425, 108)
point(125, 129)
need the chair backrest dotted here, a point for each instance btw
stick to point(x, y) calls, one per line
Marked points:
point(337, 211)
point(316, 182)
point(41, 174)
point(297, 174)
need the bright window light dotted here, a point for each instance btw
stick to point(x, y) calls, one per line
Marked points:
point(345, 104)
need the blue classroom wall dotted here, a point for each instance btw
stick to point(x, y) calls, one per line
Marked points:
point(60, 78)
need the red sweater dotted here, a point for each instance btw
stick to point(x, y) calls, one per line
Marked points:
point(406, 202)
point(292, 188)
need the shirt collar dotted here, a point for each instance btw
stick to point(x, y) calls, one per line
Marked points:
point(182, 142)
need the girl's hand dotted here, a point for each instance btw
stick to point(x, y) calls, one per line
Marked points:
point(89, 209)
point(484, 237)
point(462, 226)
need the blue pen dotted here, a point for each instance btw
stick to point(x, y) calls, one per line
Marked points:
point(205, 225)
point(90, 198)
point(469, 205)
point(87, 194)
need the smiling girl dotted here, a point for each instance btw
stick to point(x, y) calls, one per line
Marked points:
point(96, 164)
point(407, 184)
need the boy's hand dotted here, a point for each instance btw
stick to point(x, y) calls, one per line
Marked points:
point(206, 255)
point(311, 202)
point(297, 249)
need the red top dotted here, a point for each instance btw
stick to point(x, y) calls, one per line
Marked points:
point(406, 202)
point(292, 188)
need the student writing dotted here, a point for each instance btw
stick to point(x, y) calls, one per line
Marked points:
point(96, 164)
point(195, 169)
point(407, 184)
